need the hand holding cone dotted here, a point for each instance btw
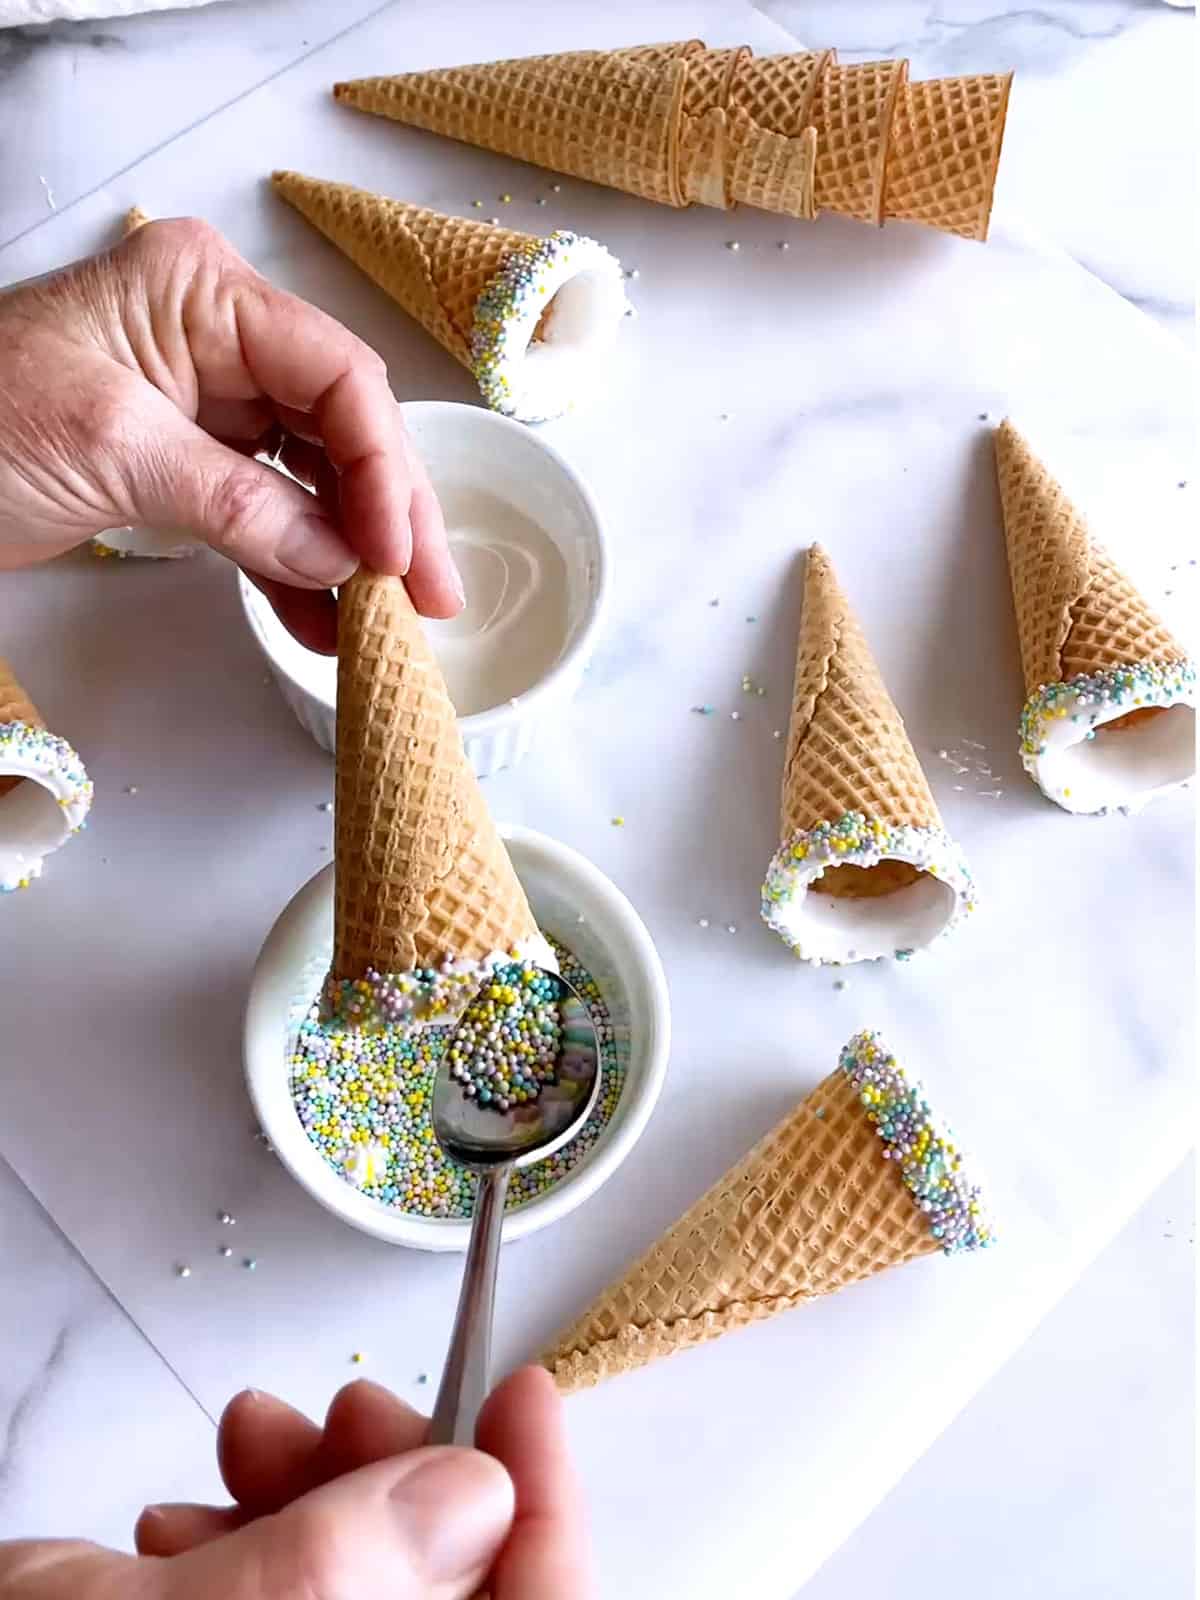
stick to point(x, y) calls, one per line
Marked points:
point(859, 1177)
point(529, 317)
point(681, 123)
point(1110, 717)
point(865, 867)
point(422, 882)
point(45, 793)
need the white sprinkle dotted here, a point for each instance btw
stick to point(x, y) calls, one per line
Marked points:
point(731, 927)
point(225, 1250)
point(632, 272)
point(326, 805)
point(183, 1272)
point(778, 734)
point(733, 244)
point(131, 788)
point(541, 200)
point(760, 690)
point(735, 716)
point(581, 917)
point(250, 1263)
point(944, 754)
point(557, 187)
point(495, 221)
point(784, 245)
point(225, 1219)
point(702, 922)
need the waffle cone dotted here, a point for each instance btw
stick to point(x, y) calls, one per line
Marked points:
point(847, 746)
point(15, 706)
point(945, 152)
point(1077, 612)
point(435, 267)
point(813, 1207)
point(682, 124)
point(421, 873)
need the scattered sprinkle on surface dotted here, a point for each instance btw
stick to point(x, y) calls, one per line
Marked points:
point(930, 1163)
point(250, 1264)
point(733, 244)
point(367, 1090)
point(618, 822)
point(183, 1272)
point(225, 1250)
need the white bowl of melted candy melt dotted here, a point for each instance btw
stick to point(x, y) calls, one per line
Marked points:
point(528, 541)
point(608, 954)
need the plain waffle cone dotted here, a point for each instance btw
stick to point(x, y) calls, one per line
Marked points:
point(421, 872)
point(847, 746)
point(945, 151)
point(434, 266)
point(813, 1207)
point(1077, 612)
point(15, 706)
point(680, 123)
point(611, 116)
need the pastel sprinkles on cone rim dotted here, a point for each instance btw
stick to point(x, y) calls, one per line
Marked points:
point(45, 792)
point(680, 124)
point(421, 873)
point(828, 1198)
point(1099, 663)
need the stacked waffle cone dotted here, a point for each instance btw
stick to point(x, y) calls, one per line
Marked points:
point(421, 874)
point(820, 1203)
point(847, 748)
point(681, 124)
point(1077, 612)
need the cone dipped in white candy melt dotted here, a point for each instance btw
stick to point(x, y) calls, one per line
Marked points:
point(45, 794)
point(861, 1176)
point(1110, 718)
point(865, 868)
point(426, 901)
point(150, 544)
point(531, 318)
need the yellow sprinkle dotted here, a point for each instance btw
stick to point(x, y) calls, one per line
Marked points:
point(618, 822)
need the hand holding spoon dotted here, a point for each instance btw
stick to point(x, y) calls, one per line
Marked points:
point(493, 1143)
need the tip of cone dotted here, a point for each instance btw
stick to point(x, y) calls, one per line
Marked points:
point(341, 90)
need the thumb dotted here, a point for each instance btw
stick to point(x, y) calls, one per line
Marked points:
point(185, 479)
point(424, 1526)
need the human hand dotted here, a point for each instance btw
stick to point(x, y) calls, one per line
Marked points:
point(359, 1507)
point(137, 386)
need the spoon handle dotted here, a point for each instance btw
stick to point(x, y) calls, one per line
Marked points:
point(465, 1379)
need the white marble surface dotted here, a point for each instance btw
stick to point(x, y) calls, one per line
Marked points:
point(886, 461)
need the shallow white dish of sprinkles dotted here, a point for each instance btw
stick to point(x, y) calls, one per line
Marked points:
point(612, 943)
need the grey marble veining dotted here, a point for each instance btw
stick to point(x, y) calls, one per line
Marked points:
point(81, 1389)
point(1099, 152)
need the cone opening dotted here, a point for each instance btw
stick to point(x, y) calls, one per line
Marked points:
point(44, 797)
point(895, 922)
point(1095, 744)
point(860, 890)
point(543, 324)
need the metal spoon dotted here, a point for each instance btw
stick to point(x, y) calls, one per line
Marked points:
point(493, 1143)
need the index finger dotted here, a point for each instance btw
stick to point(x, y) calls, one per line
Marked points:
point(307, 361)
point(546, 1556)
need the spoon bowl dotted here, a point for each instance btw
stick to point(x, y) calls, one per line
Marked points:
point(493, 1143)
point(479, 1136)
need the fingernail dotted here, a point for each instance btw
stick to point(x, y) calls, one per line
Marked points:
point(456, 580)
point(314, 550)
point(153, 1513)
point(456, 1508)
